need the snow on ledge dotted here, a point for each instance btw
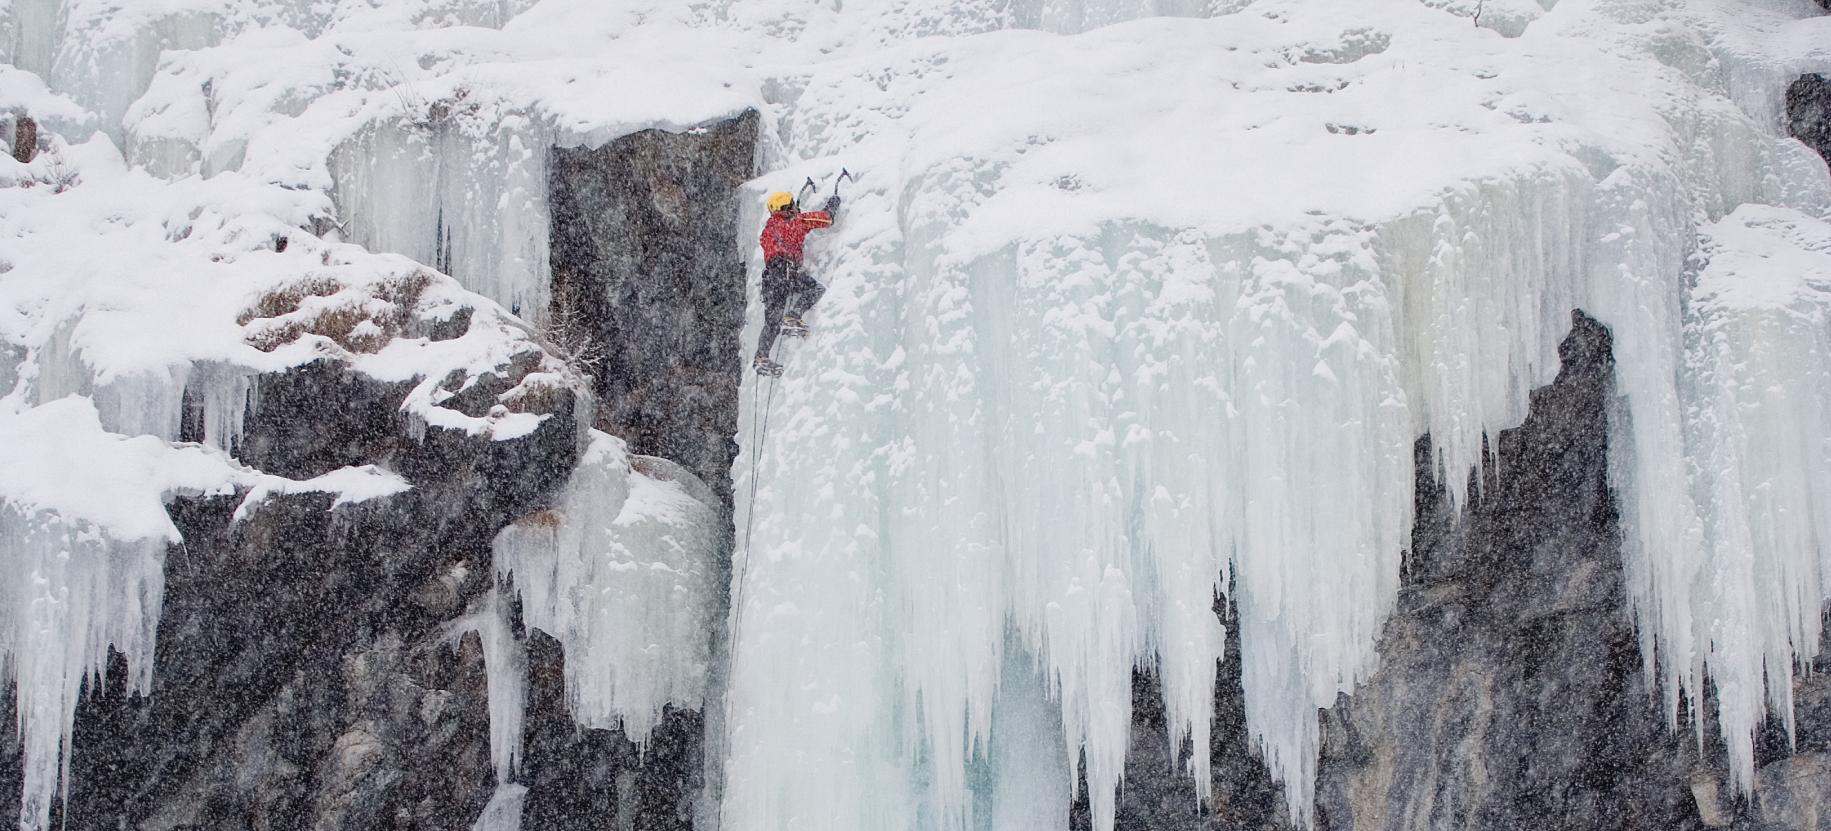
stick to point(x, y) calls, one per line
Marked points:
point(59, 460)
point(350, 484)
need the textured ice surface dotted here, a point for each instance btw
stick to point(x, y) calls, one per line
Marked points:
point(1084, 366)
point(70, 594)
point(472, 201)
point(1758, 412)
point(622, 573)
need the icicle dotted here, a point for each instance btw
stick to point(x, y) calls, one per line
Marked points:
point(1758, 404)
point(70, 594)
point(228, 394)
point(505, 667)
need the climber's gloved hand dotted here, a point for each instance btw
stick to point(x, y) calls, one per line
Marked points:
point(832, 203)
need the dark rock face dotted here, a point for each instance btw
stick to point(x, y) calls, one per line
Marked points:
point(1157, 792)
point(1511, 694)
point(25, 139)
point(646, 258)
point(307, 672)
point(310, 671)
point(622, 786)
point(1808, 110)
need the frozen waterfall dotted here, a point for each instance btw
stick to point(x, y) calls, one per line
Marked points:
point(1136, 311)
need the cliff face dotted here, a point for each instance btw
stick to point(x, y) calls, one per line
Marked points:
point(647, 266)
point(316, 663)
point(1808, 107)
point(314, 669)
point(1510, 693)
point(307, 671)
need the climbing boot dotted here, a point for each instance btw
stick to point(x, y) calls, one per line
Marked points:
point(792, 327)
point(766, 367)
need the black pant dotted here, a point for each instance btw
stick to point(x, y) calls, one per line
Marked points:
point(785, 285)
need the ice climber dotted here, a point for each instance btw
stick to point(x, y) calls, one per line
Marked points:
point(785, 285)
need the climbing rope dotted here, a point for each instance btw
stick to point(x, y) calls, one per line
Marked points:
point(760, 435)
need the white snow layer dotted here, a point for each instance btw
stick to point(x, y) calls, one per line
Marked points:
point(1127, 314)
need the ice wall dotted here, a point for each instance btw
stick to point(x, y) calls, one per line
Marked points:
point(1757, 402)
point(1127, 313)
point(83, 534)
point(1082, 382)
point(102, 53)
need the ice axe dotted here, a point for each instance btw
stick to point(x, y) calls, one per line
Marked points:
point(801, 195)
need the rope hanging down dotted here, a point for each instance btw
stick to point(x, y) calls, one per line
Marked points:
point(759, 436)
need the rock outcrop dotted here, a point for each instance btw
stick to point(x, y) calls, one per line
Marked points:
point(647, 266)
point(314, 666)
point(1510, 693)
point(308, 674)
point(1808, 109)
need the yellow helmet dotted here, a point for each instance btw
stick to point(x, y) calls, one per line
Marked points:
point(779, 200)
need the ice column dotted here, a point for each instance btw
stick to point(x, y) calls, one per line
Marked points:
point(505, 668)
point(621, 573)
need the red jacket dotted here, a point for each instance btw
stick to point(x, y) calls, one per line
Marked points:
point(784, 232)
